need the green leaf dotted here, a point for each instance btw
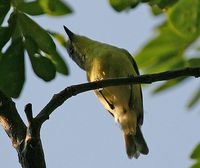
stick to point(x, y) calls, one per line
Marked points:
point(184, 17)
point(31, 8)
point(5, 34)
point(166, 63)
point(194, 62)
point(55, 7)
point(195, 98)
point(196, 165)
point(43, 41)
point(169, 84)
point(166, 46)
point(59, 63)
point(14, 26)
point(34, 31)
point(4, 8)
point(196, 152)
point(12, 69)
point(60, 38)
point(156, 10)
point(163, 3)
point(120, 5)
point(42, 66)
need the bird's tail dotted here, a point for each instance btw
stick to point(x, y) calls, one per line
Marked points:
point(135, 144)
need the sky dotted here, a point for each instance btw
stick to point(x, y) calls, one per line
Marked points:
point(81, 133)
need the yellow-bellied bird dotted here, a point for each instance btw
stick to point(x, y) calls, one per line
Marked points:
point(103, 61)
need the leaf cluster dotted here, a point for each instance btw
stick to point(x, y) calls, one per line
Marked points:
point(174, 40)
point(22, 34)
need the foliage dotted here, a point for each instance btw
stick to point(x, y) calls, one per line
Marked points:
point(23, 34)
point(196, 156)
point(174, 39)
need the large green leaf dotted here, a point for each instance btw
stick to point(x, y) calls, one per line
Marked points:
point(34, 31)
point(4, 8)
point(167, 46)
point(42, 66)
point(184, 17)
point(5, 34)
point(31, 8)
point(43, 40)
point(55, 7)
point(12, 69)
point(120, 5)
point(14, 26)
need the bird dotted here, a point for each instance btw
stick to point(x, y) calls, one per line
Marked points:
point(125, 102)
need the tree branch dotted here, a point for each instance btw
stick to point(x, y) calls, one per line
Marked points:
point(26, 140)
point(60, 98)
point(11, 121)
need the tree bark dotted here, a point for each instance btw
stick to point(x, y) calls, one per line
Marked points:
point(26, 140)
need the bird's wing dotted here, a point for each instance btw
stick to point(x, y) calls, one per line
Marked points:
point(141, 116)
point(132, 61)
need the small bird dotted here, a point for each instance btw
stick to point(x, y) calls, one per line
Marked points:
point(124, 103)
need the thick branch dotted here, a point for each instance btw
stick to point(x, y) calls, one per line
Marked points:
point(60, 98)
point(26, 140)
point(11, 121)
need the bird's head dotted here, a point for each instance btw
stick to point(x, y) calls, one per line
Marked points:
point(77, 47)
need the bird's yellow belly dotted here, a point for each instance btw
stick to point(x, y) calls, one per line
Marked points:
point(116, 100)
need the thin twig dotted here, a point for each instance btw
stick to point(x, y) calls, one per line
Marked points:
point(28, 112)
point(60, 98)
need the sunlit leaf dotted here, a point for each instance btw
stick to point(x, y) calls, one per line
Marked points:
point(5, 34)
point(55, 7)
point(31, 8)
point(42, 66)
point(120, 5)
point(12, 69)
point(4, 8)
point(184, 17)
point(59, 37)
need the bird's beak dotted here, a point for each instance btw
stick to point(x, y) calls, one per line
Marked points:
point(69, 33)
